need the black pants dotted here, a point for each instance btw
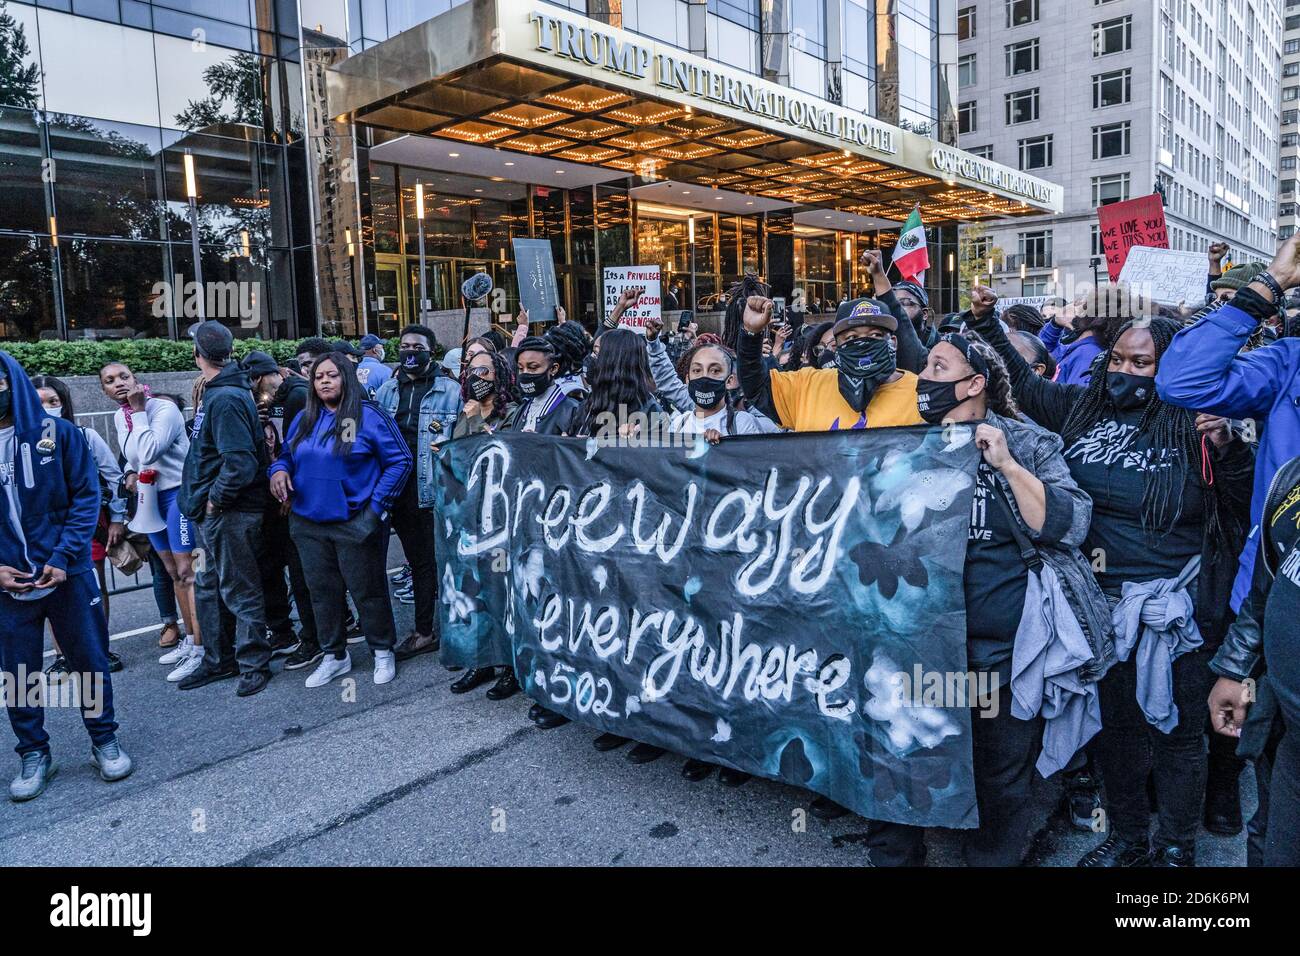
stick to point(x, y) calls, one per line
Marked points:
point(414, 527)
point(347, 556)
point(228, 591)
point(279, 555)
point(1004, 750)
point(1282, 836)
point(1129, 749)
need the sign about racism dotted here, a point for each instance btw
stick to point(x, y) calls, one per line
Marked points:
point(648, 306)
point(1166, 276)
point(535, 268)
point(790, 606)
point(1138, 222)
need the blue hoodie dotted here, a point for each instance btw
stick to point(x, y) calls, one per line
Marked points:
point(1073, 361)
point(1204, 370)
point(330, 488)
point(54, 471)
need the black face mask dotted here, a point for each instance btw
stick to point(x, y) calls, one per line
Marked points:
point(533, 384)
point(934, 400)
point(1129, 392)
point(478, 388)
point(825, 359)
point(6, 403)
point(734, 395)
point(415, 360)
point(862, 365)
point(587, 364)
point(707, 392)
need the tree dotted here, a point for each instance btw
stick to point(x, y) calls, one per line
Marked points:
point(19, 80)
point(974, 249)
point(236, 83)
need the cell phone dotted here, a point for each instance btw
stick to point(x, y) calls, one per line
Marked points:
point(686, 318)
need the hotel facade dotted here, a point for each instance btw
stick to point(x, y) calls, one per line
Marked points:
point(287, 144)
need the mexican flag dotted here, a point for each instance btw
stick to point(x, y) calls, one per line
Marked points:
point(911, 256)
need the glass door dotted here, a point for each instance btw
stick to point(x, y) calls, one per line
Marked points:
point(390, 297)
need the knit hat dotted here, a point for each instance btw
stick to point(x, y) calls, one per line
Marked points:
point(1238, 277)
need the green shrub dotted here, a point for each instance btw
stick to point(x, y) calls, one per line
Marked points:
point(87, 357)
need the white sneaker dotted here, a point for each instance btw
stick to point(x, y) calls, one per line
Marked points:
point(329, 668)
point(357, 639)
point(385, 666)
point(178, 653)
point(188, 666)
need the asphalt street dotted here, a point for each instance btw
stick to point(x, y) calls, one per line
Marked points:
point(410, 774)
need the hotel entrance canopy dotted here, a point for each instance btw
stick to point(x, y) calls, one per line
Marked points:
point(542, 81)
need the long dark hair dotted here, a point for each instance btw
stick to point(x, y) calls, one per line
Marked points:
point(347, 416)
point(503, 385)
point(59, 389)
point(1162, 426)
point(619, 376)
point(737, 296)
point(1041, 355)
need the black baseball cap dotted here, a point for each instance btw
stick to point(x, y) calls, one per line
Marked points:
point(212, 340)
point(857, 313)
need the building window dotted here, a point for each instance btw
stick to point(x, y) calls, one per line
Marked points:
point(1288, 162)
point(1286, 209)
point(1289, 117)
point(1035, 285)
point(1110, 140)
point(1291, 69)
point(1036, 249)
point(1022, 106)
point(965, 23)
point(1036, 153)
point(1022, 57)
point(1095, 235)
point(1109, 189)
point(966, 117)
point(1291, 46)
point(1112, 36)
point(1111, 89)
point(983, 152)
point(1291, 93)
point(1021, 11)
point(966, 70)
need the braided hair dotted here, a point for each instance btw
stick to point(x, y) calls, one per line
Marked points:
point(1162, 426)
point(737, 296)
point(998, 387)
point(572, 345)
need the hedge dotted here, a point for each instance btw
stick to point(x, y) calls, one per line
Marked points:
point(88, 356)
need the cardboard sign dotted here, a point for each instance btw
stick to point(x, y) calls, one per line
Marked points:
point(1138, 222)
point(1166, 276)
point(535, 269)
point(649, 306)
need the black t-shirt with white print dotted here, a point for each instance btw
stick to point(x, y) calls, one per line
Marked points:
point(1109, 464)
point(995, 578)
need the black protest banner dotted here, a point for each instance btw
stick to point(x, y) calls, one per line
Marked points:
point(771, 603)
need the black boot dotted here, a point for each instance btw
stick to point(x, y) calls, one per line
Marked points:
point(645, 753)
point(694, 770)
point(1115, 851)
point(535, 711)
point(608, 741)
point(729, 777)
point(1082, 797)
point(506, 686)
point(471, 679)
point(549, 720)
point(1223, 796)
point(1167, 856)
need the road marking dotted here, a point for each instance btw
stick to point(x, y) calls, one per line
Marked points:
point(119, 636)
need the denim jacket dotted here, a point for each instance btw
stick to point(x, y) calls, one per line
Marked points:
point(438, 411)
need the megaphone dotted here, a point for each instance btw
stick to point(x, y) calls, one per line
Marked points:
point(148, 519)
point(471, 290)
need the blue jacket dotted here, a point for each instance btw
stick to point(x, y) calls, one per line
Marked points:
point(372, 374)
point(438, 412)
point(57, 479)
point(330, 488)
point(1202, 370)
point(1073, 361)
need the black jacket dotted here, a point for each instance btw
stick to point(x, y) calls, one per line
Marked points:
point(563, 419)
point(228, 457)
point(289, 401)
point(1049, 404)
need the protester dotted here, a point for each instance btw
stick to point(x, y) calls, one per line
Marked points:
point(1169, 513)
point(1035, 353)
point(572, 345)
point(110, 530)
point(281, 396)
point(342, 466)
point(621, 384)
point(545, 407)
point(309, 350)
point(224, 493)
point(151, 435)
point(864, 389)
point(1205, 369)
point(372, 373)
point(1023, 318)
point(425, 405)
point(915, 304)
point(1083, 330)
point(52, 494)
point(1026, 503)
point(1262, 646)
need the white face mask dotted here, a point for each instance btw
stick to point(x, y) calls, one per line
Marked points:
point(55, 412)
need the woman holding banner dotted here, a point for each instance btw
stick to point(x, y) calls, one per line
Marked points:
point(1028, 518)
point(1171, 493)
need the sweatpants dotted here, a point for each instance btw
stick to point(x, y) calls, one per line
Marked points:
point(228, 592)
point(414, 527)
point(1003, 750)
point(74, 609)
point(1128, 749)
point(347, 556)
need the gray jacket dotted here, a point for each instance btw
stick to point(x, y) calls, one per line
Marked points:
point(670, 386)
point(1068, 513)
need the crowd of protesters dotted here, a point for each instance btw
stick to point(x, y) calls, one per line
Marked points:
point(1139, 472)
